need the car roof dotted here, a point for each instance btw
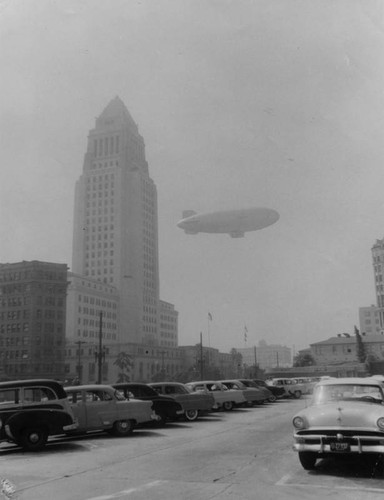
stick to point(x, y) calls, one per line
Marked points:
point(350, 381)
point(88, 387)
point(30, 382)
point(165, 383)
point(203, 382)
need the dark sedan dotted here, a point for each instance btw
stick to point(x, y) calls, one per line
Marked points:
point(165, 407)
point(193, 403)
point(278, 392)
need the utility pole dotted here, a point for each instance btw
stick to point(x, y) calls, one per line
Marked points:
point(254, 352)
point(99, 356)
point(162, 363)
point(201, 357)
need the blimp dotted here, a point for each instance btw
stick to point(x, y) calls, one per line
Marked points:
point(234, 222)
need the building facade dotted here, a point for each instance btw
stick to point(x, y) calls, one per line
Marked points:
point(369, 320)
point(267, 356)
point(168, 325)
point(88, 301)
point(378, 271)
point(139, 363)
point(32, 319)
point(343, 348)
point(115, 237)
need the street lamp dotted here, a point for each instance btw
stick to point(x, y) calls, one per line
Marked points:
point(79, 367)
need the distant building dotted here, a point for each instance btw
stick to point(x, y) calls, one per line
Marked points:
point(343, 348)
point(88, 298)
point(369, 320)
point(267, 356)
point(378, 270)
point(146, 363)
point(115, 237)
point(32, 319)
point(168, 324)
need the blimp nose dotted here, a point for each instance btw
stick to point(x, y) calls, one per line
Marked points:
point(274, 216)
point(180, 224)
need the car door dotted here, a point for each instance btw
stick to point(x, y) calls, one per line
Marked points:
point(75, 399)
point(100, 409)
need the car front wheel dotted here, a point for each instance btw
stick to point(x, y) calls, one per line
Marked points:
point(272, 398)
point(123, 427)
point(307, 459)
point(191, 415)
point(297, 394)
point(33, 438)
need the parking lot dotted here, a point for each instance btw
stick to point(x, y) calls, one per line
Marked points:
point(242, 454)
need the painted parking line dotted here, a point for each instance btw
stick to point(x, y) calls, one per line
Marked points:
point(123, 493)
point(287, 480)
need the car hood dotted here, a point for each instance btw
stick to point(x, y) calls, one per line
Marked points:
point(342, 414)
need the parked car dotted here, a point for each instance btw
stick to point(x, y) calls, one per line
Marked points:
point(292, 388)
point(165, 407)
point(103, 408)
point(253, 395)
point(307, 383)
point(33, 410)
point(225, 398)
point(267, 393)
point(277, 392)
point(193, 403)
point(346, 417)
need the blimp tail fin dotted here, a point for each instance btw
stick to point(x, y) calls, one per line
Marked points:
point(188, 213)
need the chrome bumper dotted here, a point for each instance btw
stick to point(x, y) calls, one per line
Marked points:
point(357, 444)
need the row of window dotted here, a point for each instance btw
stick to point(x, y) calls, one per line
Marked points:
point(95, 334)
point(35, 274)
point(106, 146)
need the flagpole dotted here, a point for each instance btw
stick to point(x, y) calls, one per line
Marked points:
point(209, 332)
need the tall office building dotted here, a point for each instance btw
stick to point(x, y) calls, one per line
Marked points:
point(378, 270)
point(115, 222)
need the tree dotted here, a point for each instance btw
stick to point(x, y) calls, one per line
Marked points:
point(124, 363)
point(360, 349)
point(304, 359)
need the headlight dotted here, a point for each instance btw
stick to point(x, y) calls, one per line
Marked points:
point(380, 423)
point(299, 423)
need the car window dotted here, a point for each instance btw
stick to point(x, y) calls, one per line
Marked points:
point(158, 389)
point(97, 395)
point(74, 397)
point(120, 396)
point(38, 394)
point(9, 396)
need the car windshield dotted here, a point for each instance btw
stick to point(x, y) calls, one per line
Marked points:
point(347, 392)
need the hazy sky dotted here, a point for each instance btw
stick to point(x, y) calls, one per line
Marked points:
point(276, 103)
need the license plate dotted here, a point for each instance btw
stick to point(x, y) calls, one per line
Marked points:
point(338, 446)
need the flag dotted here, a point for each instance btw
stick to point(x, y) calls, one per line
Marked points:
point(210, 316)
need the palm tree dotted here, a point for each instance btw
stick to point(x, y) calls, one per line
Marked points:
point(125, 363)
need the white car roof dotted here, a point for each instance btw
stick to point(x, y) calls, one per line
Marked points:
point(350, 381)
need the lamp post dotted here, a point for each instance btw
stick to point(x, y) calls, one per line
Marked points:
point(79, 367)
point(100, 354)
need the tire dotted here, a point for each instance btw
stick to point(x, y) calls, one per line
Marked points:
point(227, 405)
point(163, 419)
point(123, 428)
point(272, 399)
point(191, 415)
point(297, 394)
point(307, 459)
point(33, 438)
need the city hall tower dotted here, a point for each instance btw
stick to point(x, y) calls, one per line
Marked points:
point(115, 238)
